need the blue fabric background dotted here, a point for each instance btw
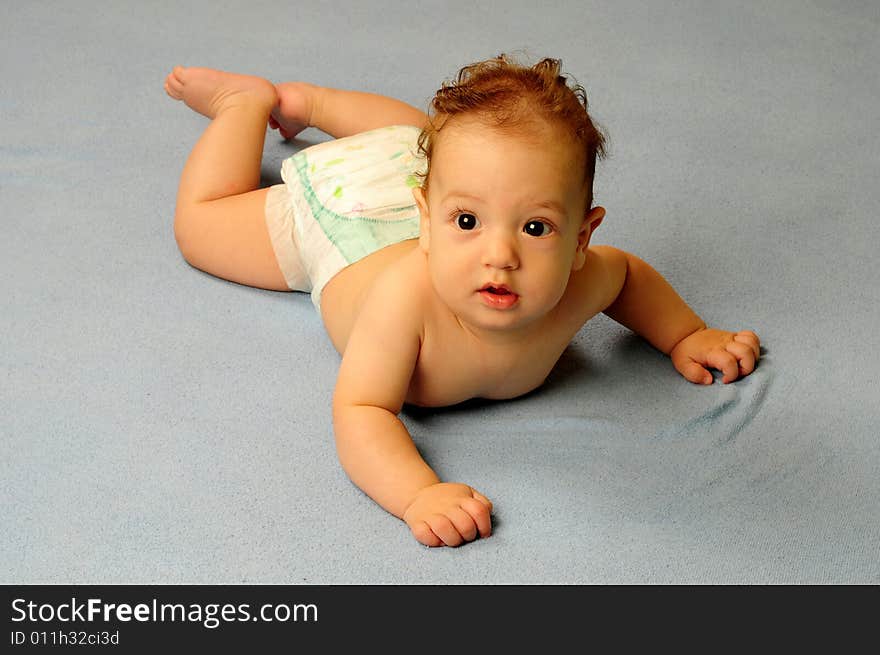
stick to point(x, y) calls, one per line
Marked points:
point(161, 425)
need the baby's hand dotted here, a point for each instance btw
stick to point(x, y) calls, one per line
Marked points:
point(734, 354)
point(449, 513)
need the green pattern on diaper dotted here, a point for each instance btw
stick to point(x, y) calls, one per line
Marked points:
point(356, 236)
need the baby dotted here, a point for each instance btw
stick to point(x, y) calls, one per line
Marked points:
point(448, 255)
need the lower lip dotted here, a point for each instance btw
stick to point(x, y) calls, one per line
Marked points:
point(499, 301)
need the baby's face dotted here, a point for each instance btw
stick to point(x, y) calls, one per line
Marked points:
point(504, 224)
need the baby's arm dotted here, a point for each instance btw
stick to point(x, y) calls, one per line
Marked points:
point(374, 446)
point(644, 302)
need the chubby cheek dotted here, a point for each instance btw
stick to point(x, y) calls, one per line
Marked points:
point(549, 289)
point(543, 290)
point(448, 276)
point(451, 265)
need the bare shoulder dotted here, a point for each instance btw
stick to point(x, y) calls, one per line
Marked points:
point(383, 347)
point(345, 294)
point(399, 291)
point(610, 262)
point(597, 284)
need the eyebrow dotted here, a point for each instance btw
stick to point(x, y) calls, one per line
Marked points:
point(551, 204)
point(544, 204)
point(461, 194)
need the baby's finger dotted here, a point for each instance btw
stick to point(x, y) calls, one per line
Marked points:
point(463, 523)
point(482, 498)
point(480, 515)
point(744, 354)
point(724, 362)
point(692, 371)
point(443, 528)
point(750, 339)
point(424, 535)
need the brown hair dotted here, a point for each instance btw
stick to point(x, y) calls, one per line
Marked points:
point(507, 95)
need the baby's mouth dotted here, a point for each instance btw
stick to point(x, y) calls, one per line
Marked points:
point(498, 296)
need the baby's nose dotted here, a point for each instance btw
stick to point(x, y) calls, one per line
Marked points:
point(501, 252)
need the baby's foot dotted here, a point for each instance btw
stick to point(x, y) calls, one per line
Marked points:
point(293, 113)
point(208, 91)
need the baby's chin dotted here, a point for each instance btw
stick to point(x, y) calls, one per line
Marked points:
point(499, 321)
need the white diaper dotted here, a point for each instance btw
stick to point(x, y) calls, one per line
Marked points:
point(341, 201)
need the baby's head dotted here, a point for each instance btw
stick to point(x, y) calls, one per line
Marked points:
point(506, 200)
point(514, 99)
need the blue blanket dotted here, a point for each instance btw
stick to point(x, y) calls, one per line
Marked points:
point(159, 425)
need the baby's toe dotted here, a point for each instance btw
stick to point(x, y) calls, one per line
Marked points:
point(173, 86)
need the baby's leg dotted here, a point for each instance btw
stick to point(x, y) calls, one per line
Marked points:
point(337, 112)
point(220, 222)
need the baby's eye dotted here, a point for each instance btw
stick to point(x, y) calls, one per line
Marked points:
point(466, 221)
point(537, 229)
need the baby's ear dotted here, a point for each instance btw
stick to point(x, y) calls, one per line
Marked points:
point(425, 218)
point(591, 221)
